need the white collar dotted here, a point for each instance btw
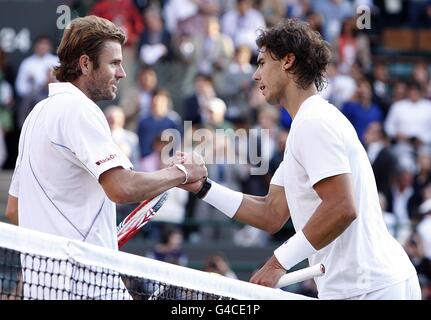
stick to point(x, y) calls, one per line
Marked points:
point(64, 87)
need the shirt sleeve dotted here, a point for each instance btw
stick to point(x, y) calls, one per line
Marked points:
point(14, 185)
point(86, 133)
point(277, 178)
point(319, 147)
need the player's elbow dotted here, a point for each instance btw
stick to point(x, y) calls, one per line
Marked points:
point(11, 215)
point(116, 184)
point(274, 225)
point(11, 211)
point(348, 214)
point(276, 218)
point(118, 195)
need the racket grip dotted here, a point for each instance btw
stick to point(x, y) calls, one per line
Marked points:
point(301, 275)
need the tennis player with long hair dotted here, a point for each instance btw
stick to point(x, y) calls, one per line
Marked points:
point(325, 183)
point(69, 172)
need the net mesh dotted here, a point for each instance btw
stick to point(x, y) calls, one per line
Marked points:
point(34, 265)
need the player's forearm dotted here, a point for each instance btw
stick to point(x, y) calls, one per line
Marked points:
point(12, 210)
point(268, 213)
point(124, 186)
point(328, 222)
point(146, 185)
point(258, 212)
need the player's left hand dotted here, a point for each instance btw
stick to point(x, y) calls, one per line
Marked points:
point(269, 274)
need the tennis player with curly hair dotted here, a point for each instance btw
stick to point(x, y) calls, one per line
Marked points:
point(325, 183)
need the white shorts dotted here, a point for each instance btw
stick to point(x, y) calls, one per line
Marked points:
point(404, 290)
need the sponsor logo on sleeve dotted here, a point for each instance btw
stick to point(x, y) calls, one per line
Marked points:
point(108, 158)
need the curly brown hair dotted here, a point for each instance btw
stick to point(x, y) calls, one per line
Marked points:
point(85, 35)
point(312, 53)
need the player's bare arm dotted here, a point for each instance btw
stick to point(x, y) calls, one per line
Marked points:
point(125, 186)
point(12, 209)
point(335, 213)
point(269, 213)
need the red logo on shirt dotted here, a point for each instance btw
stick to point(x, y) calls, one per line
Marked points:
point(110, 157)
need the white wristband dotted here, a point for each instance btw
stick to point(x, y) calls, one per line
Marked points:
point(223, 199)
point(183, 169)
point(294, 250)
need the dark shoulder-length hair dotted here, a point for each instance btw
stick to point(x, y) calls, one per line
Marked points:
point(312, 53)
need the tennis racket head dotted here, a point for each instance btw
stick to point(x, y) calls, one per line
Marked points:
point(139, 217)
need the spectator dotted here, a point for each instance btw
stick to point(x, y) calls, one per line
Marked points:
point(409, 120)
point(33, 71)
point(242, 23)
point(235, 83)
point(422, 76)
point(158, 120)
point(173, 210)
point(263, 140)
point(418, 17)
point(352, 46)
point(218, 264)
point(6, 105)
point(155, 41)
point(137, 99)
point(213, 50)
point(422, 180)
point(217, 115)
point(388, 217)
point(340, 87)
point(315, 20)
point(333, 12)
point(186, 17)
point(126, 15)
point(127, 140)
point(273, 11)
point(362, 111)
point(170, 247)
point(424, 227)
point(381, 156)
point(196, 104)
point(298, 9)
point(398, 198)
point(34, 74)
point(399, 90)
point(381, 87)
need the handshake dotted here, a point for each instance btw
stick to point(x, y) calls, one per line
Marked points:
point(193, 166)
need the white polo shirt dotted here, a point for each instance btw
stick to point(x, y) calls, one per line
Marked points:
point(365, 257)
point(65, 145)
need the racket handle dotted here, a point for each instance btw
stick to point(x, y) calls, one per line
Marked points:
point(301, 275)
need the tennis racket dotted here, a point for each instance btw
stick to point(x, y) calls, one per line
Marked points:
point(317, 270)
point(139, 217)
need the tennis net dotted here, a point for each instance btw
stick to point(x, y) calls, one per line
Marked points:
point(35, 265)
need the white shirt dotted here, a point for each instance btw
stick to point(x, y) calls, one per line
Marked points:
point(33, 73)
point(365, 257)
point(410, 118)
point(65, 145)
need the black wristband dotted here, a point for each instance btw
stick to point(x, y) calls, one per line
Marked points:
point(205, 188)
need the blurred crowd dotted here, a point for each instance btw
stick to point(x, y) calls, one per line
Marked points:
point(193, 60)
